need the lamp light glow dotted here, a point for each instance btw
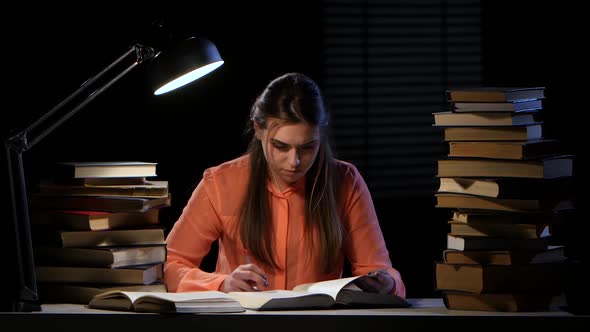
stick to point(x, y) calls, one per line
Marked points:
point(187, 78)
point(187, 60)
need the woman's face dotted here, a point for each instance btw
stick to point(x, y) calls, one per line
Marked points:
point(289, 149)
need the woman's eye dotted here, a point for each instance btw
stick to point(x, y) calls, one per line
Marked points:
point(281, 147)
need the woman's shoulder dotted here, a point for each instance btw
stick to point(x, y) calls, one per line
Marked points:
point(346, 169)
point(231, 168)
point(351, 179)
point(226, 183)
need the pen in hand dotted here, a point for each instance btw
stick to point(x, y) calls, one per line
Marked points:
point(249, 261)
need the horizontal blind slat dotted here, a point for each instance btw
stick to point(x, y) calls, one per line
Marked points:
point(387, 65)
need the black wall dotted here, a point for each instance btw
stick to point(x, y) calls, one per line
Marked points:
point(542, 44)
point(49, 54)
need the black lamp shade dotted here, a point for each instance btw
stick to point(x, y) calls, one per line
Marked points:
point(183, 63)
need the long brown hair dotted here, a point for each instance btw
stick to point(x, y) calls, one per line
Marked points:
point(292, 98)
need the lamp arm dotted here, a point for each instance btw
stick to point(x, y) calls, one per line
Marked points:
point(25, 139)
point(15, 145)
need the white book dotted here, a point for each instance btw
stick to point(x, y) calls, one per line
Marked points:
point(164, 302)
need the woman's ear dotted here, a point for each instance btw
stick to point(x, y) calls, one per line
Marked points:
point(257, 130)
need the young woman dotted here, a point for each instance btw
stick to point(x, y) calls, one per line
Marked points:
point(286, 212)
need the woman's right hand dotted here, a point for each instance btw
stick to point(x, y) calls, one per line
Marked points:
point(245, 278)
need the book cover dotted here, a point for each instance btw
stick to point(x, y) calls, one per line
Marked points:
point(486, 118)
point(145, 274)
point(517, 150)
point(495, 94)
point(509, 106)
point(507, 302)
point(494, 243)
point(546, 277)
point(481, 216)
point(134, 180)
point(98, 203)
point(98, 239)
point(517, 188)
point(470, 202)
point(494, 133)
point(95, 220)
point(104, 169)
point(553, 254)
point(547, 168)
point(503, 230)
point(148, 189)
point(112, 257)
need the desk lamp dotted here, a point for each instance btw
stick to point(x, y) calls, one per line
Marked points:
point(176, 66)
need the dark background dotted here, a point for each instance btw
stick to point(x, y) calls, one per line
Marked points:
point(49, 51)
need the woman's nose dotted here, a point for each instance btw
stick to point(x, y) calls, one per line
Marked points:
point(294, 160)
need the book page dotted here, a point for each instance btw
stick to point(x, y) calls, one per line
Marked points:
point(330, 287)
point(169, 297)
point(132, 296)
point(258, 299)
point(184, 297)
point(187, 302)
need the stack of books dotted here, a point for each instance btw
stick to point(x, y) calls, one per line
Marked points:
point(506, 185)
point(96, 228)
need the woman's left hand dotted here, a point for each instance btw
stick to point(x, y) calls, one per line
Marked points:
point(376, 282)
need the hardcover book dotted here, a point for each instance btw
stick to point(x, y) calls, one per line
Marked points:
point(508, 302)
point(553, 254)
point(485, 118)
point(97, 239)
point(517, 188)
point(547, 277)
point(521, 106)
point(95, 220)
point(112, 257)
point(517, 150)
point(145, 274)
point(503, 230)
point(149, 189)
point(490, 94)
point(490, 243)
point(547, 168)
point(494, 133)
point(104, 169)
point(98, 203)
point(470, 202)
point(478, 216)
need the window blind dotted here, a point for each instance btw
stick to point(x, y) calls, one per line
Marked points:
point(387, 65)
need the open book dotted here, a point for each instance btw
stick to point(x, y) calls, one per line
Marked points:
point(336, 293)
point(163, 302)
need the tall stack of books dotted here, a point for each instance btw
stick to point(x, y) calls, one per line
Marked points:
point(96, 228)
point(506, 185)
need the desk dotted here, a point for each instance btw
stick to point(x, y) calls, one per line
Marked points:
point(429, 313)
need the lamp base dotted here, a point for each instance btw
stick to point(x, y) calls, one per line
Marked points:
point(26, 306)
